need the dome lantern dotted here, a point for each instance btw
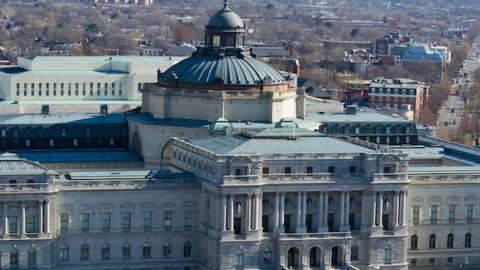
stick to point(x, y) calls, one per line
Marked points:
point(225, 29)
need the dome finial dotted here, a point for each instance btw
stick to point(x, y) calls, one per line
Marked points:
point(225, 4)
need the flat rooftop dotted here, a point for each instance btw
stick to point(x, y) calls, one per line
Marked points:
point(80, 156)
point(62, 118)
point(358, 117)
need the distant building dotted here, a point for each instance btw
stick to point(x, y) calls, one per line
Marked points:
point(54, 78)
point(126, 2)
point(398, 94)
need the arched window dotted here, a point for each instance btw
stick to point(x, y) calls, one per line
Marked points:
point(309, 203)
point(468, 240)
point(14, 258)
point(450, 241)
point(146, 251)
point(431, 242)
point(354, 253)
point(84, 252)
point(187, 250)
point(63, 253)
point(32, 258)
point(414, 242)
point(167, 249)
point(105, 252)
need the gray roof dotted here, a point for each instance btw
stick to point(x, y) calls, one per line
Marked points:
point(280, 142)
point(66, 156)
point(206, 69)
point(421, 152)
point(445, 170)
point(61, 118)
point(359, 117)
point(12, 164)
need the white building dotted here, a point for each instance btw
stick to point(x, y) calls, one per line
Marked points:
point(80, 78)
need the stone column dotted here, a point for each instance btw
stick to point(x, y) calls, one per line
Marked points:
point(396, 207)
point(22, 229)
point(277, 210)
point(347, 211)
point(224, 214)
point(404, 209)
point(47, 219)
point(40, 216)
point(342, 210)
point(325, 210)
point(299, 210)
point(247, 213)
point(282, 210)
point(380, 209)
point(304, 210)
point(320, 212)
point(232, 212)
point(258, 212)
point(5, 214)
point(374, 214)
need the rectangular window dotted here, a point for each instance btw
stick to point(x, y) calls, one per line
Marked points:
point(64, 222)
point(288, 170)
point(105, 253)
point(47, 89)
point(77, 86)
point(415, 214)
point(25, 89)
point(105, 222)
point(309, 170)
point(139, 87)
point(91, 89)
point(331, 169)
point(32, 88)
point(18, 89)
point(120, 89)
point(39, 89)
point(167, 221)
point(30, 224)
point(69, 89)
point(126, 221)
point(451, 214)
point(84, 89)
point(147, 221)
point(99, 85)
point(62, 89)
point(126, 252)
point(12, 225)
point(188, 220)
point(413, 262)
point(146, 252)
point(85, 222)
point(431, 260)
point(265, 170)
point(353, 169)
point(105, 89)
point(469, 213)
point(449, 260)
point(113, 89)
point(54, 89)
point(433, 214)
point(238, 260)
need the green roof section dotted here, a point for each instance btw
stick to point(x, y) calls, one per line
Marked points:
point(444, 170)
point(286, 141)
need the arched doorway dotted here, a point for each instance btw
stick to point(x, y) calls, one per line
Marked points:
point(166, 155)
point(293, 258)
point(315, 257)
point(337, 256)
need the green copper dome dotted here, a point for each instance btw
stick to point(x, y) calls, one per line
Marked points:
point(225, 19)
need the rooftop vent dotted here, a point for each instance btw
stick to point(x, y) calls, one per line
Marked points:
point(45, 109)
